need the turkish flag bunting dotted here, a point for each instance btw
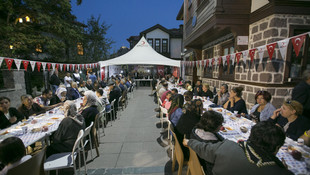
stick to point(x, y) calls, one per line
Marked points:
point(297, 43)
point(70, 66)
point(220, 60)
point(17, 63)
point(48, 66)
point(76, 66)
point(227, 59)
point(25, 64)
point(39, 66)
point(207, 63)
point(213, 59)
point(270, 49)
point(57, 66)
point(238, 55)
point(65, 65)
point(81, 65)
point(85, 66)
point(9, 62)
point(252, 54)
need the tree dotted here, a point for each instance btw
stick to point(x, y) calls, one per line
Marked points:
point(96, 44)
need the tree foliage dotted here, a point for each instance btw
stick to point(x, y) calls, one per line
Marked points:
point(53, 28)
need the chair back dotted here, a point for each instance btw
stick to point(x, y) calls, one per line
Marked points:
point(194, 166)
point(162, 112)
point(112, 104)
point(177, 154)
point(87, 130)
point(33, 166)
point(78, 144)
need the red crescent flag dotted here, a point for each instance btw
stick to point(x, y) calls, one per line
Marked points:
point(38, 66)
point(297, 43)
point(227, 59)
point(220, 60)
point(57, 65)
point(207, 63)
point(81, 65)
point(9, 62)
point(65, 65)
point(238, 55)
point(270, 49)
point(25, 64)
point(76, 66)
point(70, 66)
point(48, 66)
point(252, 53)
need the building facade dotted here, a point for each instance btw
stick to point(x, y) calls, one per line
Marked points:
point(216, 28)
point(167, 42)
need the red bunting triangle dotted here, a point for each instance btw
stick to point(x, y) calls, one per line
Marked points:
point(252, 54)
point(76, 66)
point(207, 63)
point(227, 59)
point(9, 62)
point(220, 60)
point(70, 66)
point(57, 66)
point(38, 66)
point(65, 66)
point(270, 49)
point(48, 66)
point(81, 66)
point(297, 43)
point(25, 64)
point(238, 55)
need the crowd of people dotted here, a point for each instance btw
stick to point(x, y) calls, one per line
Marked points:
point(200, 127)
point(97, 96)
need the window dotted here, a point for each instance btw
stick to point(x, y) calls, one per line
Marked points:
point(297, 65)
point(150, 41)
point(80, 48)
point(165, 45)
point(227, 71)
point(6, 79)
point(157, 45)
point(208, 70)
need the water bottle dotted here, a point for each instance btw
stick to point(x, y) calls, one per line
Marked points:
point(208, 99)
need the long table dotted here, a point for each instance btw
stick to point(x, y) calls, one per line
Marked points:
point(232, 125)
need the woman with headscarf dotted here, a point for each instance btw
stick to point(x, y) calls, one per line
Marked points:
point(89, 107)
point(60, 96)
point(68, 130)
point(175, 110)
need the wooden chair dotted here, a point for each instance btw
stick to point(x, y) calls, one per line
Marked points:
point(67, 159)
point(194, 166)
point(177, 155)
point(33, 166)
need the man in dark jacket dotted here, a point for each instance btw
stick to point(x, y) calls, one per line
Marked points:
point(301, 93)
point(255, 156)
point(55, 81)
point(115, 93)
point(198, 88)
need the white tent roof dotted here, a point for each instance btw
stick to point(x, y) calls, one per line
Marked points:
point(142, 53)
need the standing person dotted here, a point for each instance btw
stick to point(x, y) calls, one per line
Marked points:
point(76, 76)
point(222, 95)
point(115, 93)
point(301, 93)
point(263, 109)
point(235, 102)
point(198, 88)
point(256, 156)
point(8, 114)
point(55, 81)
point(67, 80)
point(93, 77)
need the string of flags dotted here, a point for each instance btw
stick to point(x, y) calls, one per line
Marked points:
point(297, 42)
point(39, 64)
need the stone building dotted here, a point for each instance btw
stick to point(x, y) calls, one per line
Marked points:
point(215, 28)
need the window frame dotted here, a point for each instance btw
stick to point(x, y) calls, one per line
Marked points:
point(155, 47)
point(208, 71)
point(152, 43)
point(166, 47)
point(224, 75)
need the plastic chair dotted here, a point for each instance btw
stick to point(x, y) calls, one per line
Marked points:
point(194, 166)
point(89, 139)
point(111, 111)
point(120, 104)
point(33, 166)
point(100, 119)
point(95, 139)
point(66, 159)
point(177, 155)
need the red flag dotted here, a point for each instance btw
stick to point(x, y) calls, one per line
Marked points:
point(297, 43)
point(70, 66)
point(57, 65)
point(81, 66)
point(65, 65)
point(252, 54)
point(207, 63)
point(38, 66)
point(48, 66)
point(85, 66)
point(220, 60)
point(25, 63)
point(213, 61)
point(76, 66)
point(227, 59)
point(238, 55)
point(270, 49)
point(9, 62)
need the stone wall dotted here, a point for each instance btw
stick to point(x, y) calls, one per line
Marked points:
point(18, 89)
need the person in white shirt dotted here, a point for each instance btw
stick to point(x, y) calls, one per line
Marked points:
point(67, 80)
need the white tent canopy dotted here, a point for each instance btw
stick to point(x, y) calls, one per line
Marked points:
point(142, 53)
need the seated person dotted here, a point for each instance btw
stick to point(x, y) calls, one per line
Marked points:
point(206, 130)
point(235, 102)
point(206, 91)
point(290, 118)
point(73, 92)
point(188, 96)
point(8, 114)
point(167, 102)
point(44, 100)
point(29, 108)
point(83, 88)
point(263, 109)
point(222, 95)
point(257, 155)
point(188, 86)
point(65, 136)
point(104, 99)
point(89, 108)
point(187, 121)
point(306, 138)
point(89, 85)
point(198, 88)
point(12, 153)
point(60, 96)
point(175, 110)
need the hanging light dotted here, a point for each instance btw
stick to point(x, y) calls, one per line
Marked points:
point(20, 20)
point(27, 19)
point(11, 46)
